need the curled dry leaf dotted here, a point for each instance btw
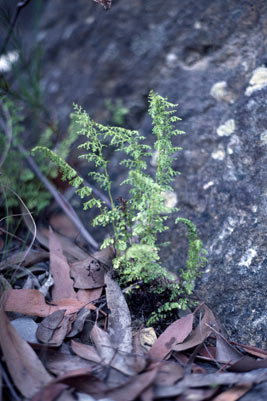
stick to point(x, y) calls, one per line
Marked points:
point(59, 267)
point(89, 273)
point(144, 339)
point(79, 322)
point(54, 328)
point(25, 368)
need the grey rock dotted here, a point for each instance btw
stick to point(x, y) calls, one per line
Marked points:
point(26, 327)
point(258, 393)
point(205, 56)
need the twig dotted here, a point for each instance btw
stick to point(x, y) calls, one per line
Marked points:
point(10, 234)
point(210, 379)
point(20, 6)
point(7, 128)
point(66, 207)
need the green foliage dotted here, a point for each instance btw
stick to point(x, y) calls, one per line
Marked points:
point(117, 110)
point(15, 172)
point(137, 221)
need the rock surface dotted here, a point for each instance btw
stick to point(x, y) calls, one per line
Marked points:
point(210, 57)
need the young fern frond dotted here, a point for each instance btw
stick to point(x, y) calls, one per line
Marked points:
point(68, 173)
point(137, 221)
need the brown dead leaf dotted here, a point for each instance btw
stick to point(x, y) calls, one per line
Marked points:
point(54, 328)
point(89, 295)
point(201, 332)
point(61, 332)
point(89, 273)
point(80, 379)
point(32, 302)
point(60, 363)
point(247, 363)
point(25, 368)
point(110, 353)
point(59, 267)
point(234, 393)
point(209, 379)
point(70, 249)
point(207, 353)
point(135, 386)
point(63, 225)
point(260, 353)
point(72, 305)
point(85, 351)
point(46, 328)
point(225, 352)
point(169, 373)
point(25, 258)
point(176, 333)
point(51, 392)
point(183, 360)
point(119, 321)
point(79, 322)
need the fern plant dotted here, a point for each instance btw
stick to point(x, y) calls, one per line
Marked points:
point(137, 221)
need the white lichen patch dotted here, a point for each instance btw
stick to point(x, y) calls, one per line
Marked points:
point(7, 60)
point(263, 138)
point(227, 128)
point(197, 25)
point(233, 145)
point(171, 198)
point(257, 81)
point(261, 321)
point(221, 92)
point(247, 258)
point(218, 154)
point(227, 229)
point(254, 208)
point(171, 59)
point(208, 185)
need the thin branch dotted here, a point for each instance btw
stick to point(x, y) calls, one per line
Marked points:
point(60, 199)
point(7, 128)
point(20, 6)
